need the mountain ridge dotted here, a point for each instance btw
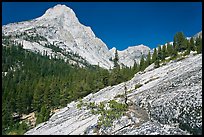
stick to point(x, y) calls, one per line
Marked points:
point(60, 24)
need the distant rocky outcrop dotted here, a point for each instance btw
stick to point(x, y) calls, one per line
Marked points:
point(199, 34)
point(130, 55)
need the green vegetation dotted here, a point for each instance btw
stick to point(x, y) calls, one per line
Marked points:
point(35, 83)
point(32, 38)
point(198, 45)
point(180, 44)
point(142, 64)
point(53, 47)
point(107, 116)
point(80, 104)
point(148, 60)
point(137, 86)
point(154, 55)
point(16, 129)
point(115, 60)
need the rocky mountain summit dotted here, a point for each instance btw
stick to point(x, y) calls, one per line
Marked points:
point(58, 33)
point(131, 54)
point(199, 34)
point(160, 101)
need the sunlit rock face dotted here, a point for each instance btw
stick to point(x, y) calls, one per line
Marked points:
point(168, 102)
point(59, 25)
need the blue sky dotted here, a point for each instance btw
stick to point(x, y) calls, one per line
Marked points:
point(121, 24)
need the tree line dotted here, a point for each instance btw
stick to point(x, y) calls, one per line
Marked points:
point(181, 47)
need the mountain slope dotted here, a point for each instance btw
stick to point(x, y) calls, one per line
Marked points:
point(58, 32)
point(168, 101)
point(199, 34)
point(60, 27)
point(131, 54)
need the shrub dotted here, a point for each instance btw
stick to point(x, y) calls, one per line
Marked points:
point(120, 96)
point(79, 105)
point(107, 117)
point(137, 86)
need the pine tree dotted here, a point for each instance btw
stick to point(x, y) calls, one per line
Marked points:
point(142, 64)
point(148, 60)
point(198, 45)
point(164, 54)
point(188, 48)
point(38, 96)
point(115, 60)
point(159, 53)
point(43, 115)
point(135, 67)
point(174, 51)
point(169, 49)
point(115, 77)
point(192, 44)
point(156, 63)
point(179, 42)
point(105, 77)
point(154, 55)
point(175, 45)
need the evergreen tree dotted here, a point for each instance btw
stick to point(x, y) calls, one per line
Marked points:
point(179, 42)
point(156, 63)
point(115, 60)
point(142, 64)
point(174, 51)
point(115, 77)
point(169, 49)
point(159, 57)
point(154, 55)
point(135, 67)
point(38, 96)
point(187, 52)
point(164, 52)
point(105, 77)
point(43, 115)
point(148, 60)
point(198, 45)
point(192, 44)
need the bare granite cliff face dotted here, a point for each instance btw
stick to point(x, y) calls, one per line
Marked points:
point(165, 101)
point(59, 33)
point(60, 27)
